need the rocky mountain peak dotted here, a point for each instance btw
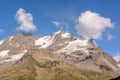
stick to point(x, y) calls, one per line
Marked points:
point(58, 47)
point(18, 43)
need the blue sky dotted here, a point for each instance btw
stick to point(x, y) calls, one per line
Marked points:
point(66, 12)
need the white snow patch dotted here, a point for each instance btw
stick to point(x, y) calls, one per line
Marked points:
point(10, 38)
point(14, 57)
point(18, 56)
point(74, 46)
point(46, 41)
point(4, 53)
point(118, 65)
point(57, 32)
point(1, 42)
point(66, 35)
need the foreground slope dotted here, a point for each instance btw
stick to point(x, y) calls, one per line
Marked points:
point(47, 68)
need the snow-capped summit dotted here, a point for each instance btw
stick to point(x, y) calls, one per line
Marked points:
point(46, 41)
point(59, 38)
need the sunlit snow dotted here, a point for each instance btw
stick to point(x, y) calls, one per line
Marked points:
point(10, 38)
point(118, 65)
point(14, 57)
point(73, 46)
point(66, 35)
point(4, 53)
point(1, 42)
point(46, 41)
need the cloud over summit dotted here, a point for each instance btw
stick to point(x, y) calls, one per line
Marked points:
point(25, 21)
point(91, 25)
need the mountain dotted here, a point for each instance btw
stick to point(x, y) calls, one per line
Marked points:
point(59, 56)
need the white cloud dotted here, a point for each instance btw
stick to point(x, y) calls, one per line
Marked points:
point(1, 30)
point(56, 23)
point(61, 25)
point(25, 20)
point(117, 57)
point(109, 37)
point(91, 25)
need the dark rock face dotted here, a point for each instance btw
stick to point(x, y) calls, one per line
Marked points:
point(118, 78)
point(104, 67)
point(47, 64)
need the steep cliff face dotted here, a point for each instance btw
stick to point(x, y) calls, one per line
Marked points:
point(60, 50)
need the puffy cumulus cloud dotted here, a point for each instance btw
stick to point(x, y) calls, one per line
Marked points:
point(109, 37)
point(25, 20)
point(117, 57)
point(91, 25)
